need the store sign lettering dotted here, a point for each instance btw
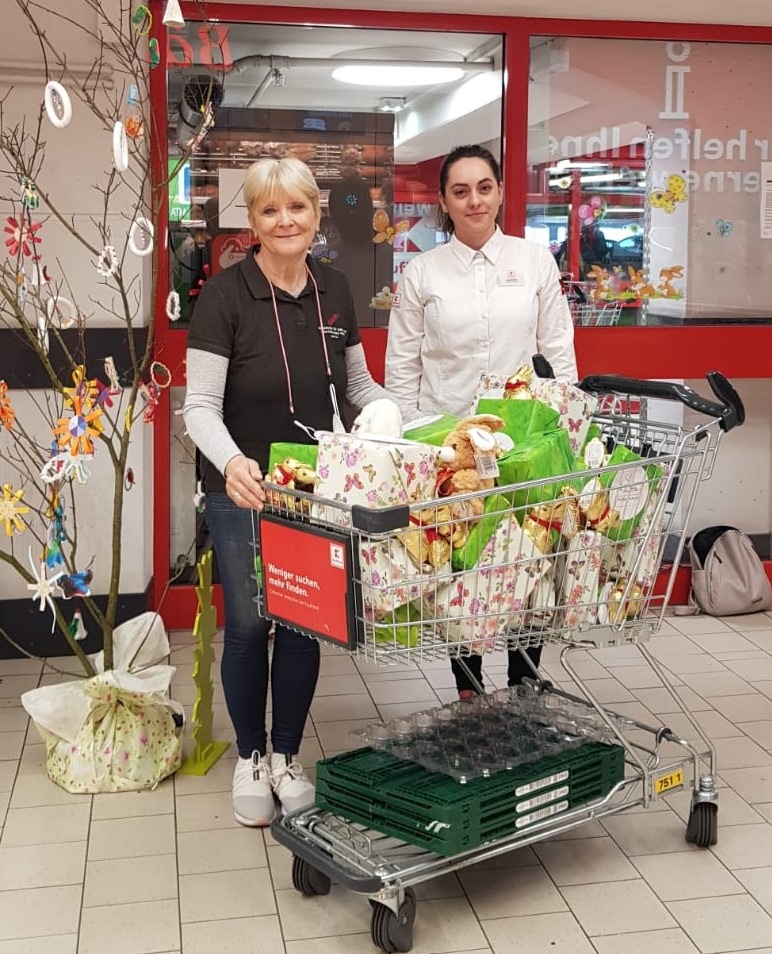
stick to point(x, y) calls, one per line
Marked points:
point(674, 81)
point(212, 47)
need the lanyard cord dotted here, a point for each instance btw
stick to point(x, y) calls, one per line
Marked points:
point(281, 338)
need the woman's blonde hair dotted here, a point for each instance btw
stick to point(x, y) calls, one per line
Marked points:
point(268, 178)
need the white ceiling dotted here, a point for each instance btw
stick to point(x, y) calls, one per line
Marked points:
point(746, 12)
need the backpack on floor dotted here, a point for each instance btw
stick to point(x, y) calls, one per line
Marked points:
point(728, 577)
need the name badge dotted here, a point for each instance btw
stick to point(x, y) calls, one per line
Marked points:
point(510, 276)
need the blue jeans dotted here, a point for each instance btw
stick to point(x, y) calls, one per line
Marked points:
point(294, 663)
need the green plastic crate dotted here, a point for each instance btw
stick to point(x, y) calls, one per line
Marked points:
point(435, 812)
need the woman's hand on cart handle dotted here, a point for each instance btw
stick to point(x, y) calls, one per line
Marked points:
point(243, 482)
point(730, 411)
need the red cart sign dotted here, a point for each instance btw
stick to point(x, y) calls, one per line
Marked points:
point(307, 576)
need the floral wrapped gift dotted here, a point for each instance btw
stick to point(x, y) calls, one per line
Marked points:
point(372, 473)
point(580, 581)
point(477, 605)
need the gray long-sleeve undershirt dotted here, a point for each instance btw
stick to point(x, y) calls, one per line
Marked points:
point(203, 411)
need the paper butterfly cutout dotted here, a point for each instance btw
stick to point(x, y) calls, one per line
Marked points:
point(674, 192)
point(724, 228)
point(384, 231)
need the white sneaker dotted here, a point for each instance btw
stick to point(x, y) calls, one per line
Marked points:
point(290, 783)
point(253, 803)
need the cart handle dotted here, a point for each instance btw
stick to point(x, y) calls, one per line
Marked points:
point(730, 411)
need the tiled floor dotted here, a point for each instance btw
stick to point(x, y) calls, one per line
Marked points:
point(170, 871)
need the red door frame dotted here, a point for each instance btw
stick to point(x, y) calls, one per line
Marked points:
point(640, 352)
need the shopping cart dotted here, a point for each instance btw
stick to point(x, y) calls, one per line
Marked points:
point(564, 584)
point(595, 312)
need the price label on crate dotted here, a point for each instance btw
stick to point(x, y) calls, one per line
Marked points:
point(668, 782)
point(307, 577)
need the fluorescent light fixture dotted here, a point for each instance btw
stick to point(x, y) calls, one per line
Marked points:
point(387, 75)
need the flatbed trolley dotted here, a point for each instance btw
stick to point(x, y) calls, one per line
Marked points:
point(299, 531)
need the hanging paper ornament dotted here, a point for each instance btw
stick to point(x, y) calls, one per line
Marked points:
point(44, 587)
point(85, 389)
point(29, 193)
point(76, 432)
point(77, 627)
point(42, 332)
point(173, 306)
point(112, 375)
point(7, 413)
point(150, 393)
point(63, 309)
point(141, 236)
point(134, 126)
point(64, 466)
point(58, 104)
point(75, 584)
point(160, 375)
point(107, 263)
point(22, 235)
point(120, 147)
point(12, 510)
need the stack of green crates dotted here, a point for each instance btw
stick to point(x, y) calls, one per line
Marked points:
point(436, 812)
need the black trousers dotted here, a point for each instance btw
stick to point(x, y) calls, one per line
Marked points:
point(516, 669)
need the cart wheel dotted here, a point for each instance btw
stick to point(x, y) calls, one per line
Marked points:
point(394, 933)
point(702, 829)
point(307, 879)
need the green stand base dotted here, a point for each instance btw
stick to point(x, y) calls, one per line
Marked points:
point(199, 762)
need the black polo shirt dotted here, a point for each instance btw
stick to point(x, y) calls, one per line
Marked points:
point(234, 318)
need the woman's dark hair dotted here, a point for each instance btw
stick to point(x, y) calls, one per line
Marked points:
point(463, 152)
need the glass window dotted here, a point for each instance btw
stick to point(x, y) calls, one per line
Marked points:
point(373, 129)
point(238, 93)
point(646, 164)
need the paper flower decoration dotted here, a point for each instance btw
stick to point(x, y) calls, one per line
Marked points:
point(7, 413)
point(77, 431)
point(44, 587)
point(85, 389)
point(22, 236)
point(12, 510)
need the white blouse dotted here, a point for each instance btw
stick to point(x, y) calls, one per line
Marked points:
point(458, 312)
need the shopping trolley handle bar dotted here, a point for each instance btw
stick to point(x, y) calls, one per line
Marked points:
point(730, 411)
point(381, 520)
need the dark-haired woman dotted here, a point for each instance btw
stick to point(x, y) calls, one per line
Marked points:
point(485, 301)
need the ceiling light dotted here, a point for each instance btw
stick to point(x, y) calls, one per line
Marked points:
point(391, 104)
point(387, 75)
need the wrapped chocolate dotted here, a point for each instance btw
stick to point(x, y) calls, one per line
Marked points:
point(541, 523)
point(518, 386)
point(621, 601)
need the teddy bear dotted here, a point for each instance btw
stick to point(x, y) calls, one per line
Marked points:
point(469, 457)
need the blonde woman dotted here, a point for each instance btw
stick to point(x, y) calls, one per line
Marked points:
point(273, 340)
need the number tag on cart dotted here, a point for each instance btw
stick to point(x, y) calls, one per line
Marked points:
point(662, 784)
